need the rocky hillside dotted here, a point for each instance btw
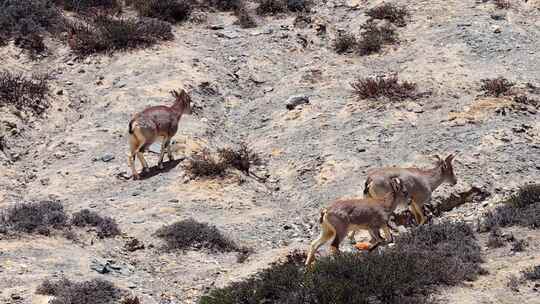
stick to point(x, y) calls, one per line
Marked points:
point(241, 81)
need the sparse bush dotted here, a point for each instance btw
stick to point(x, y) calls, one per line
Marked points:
point(522, 208)
point(84, 5)
point(245, 19)
point(374, 37)
point(532, 274)
point(131, 300)
point(502, 4)
point(23, 18)
point(519, 245)
point(495, 239)
point(203, 164)
point(446, 253)
point(192, 234)
point(24, 93)
point(242, 158)
point(225, 5)
point(34, 217)
point(383, 86)
point(33, 43)
point(344, 43)
point(496, 86)
point(106, 33)
point(271, 7)
point(391, 12)
point(106, 226)
point(298, 5)
point(168, 10)
point(96, 291)
point(514, 282)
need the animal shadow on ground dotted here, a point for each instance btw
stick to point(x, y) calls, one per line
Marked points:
point(155, 170)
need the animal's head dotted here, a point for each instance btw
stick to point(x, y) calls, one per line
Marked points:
point(447, 169)
point(182, 100)
point(399, 189)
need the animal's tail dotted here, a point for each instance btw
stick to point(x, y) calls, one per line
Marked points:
point(366, 186)
point(323, 213)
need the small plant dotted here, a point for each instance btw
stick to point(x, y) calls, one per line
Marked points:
point(495, 239)
point(204, 164)
point(502, 4)
point(245, 19)
point(514, 282)
point(390, 12)
point(106, 226)
point(84, 5)
point(382, 86)
point(192, 234)
point(34, 217)
point(24, 93)
point(519, 245)
point(344, 43)
point(496, 86)
point(241, 159)
point(168, 10)
point(33, 43)
point(374, 37)
point(88, 292)
point(131, 300)
point(522, 208)
point(271, 7)
point(298, 5)
point(532, 273)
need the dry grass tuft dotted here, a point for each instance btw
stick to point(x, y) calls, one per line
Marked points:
point(24, 93)
point(383, 86)
point(496, 86)
point(96, 291)
point(391, 12)
point(374, 37)
point(344, 43)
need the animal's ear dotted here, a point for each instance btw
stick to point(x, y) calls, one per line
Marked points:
point(451, 157)
point(174, 94)
point(437, 158)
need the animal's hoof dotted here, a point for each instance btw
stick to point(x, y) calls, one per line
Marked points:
point(136, 176)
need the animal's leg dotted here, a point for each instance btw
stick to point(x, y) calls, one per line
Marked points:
point(412, 208)
point(351, 236)
point(162, 152)
point(420, 217)
point(377, 238)
point(131, 156)
point(169, 151)
point(143, 161)
point(388, 234)
point(341, 234)
point(326, 234)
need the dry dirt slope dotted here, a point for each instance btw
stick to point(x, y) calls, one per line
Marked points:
point(314, 153)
